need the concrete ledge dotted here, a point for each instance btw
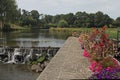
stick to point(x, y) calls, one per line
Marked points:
point(67, 64)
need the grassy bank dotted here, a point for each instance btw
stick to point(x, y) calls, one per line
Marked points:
point(17, 27)
point(111, 31)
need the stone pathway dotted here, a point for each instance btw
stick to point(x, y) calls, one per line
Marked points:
point(67, 64)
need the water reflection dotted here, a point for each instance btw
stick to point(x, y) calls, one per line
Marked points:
point(38, 38)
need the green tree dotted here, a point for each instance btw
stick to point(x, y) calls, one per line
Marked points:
point(91, 20)
point(8, 9)
point(116, 22)
point(82, 19)
point(78, 22)
point(62, 23)
point(35, 14)
point(98, 19)
point(107, 20)
point(70, 18)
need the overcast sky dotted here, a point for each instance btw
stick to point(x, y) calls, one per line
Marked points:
point(53, 7)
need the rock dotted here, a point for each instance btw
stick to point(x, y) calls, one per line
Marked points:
point(42, 66)
point(36, 68)
point(39, 64)
point(46, 63)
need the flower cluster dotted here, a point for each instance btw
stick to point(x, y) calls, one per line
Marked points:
point(99, 49)
point(97, 42)
point(107, 74)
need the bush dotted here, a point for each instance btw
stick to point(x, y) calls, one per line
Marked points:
point(62, 23)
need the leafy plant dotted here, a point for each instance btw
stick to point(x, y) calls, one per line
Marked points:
point(99, 49)
point(41, 59)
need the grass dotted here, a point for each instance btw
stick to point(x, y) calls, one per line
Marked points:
point(17, 27)
point(71, 29)
point(111, 31)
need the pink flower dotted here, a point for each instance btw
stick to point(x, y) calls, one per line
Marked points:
point(86, 54)
point(109, 68)
point(79, 40)
point(92, 65)
point(98, 68)
point(95, 67)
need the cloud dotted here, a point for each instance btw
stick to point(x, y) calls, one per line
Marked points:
point(53, 7)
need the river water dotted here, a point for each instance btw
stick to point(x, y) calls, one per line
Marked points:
point(28, 38)
point(34, 38)
point(16, 72)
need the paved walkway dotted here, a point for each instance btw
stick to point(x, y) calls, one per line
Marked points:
point(67, 64)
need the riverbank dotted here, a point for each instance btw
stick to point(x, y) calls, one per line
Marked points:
point(17, 27)
point(111, 31)
point(11, 27)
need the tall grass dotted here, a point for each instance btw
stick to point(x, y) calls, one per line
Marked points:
point(112, 32)
point(17, 27)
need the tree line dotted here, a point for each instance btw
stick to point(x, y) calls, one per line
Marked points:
point(9, 13)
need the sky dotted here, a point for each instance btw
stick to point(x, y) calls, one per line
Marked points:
point(54, 7)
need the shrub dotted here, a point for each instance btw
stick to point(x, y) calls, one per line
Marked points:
point(62, 23)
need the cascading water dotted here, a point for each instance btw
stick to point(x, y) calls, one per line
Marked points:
point(14, 54)
point(28, 56)
point(23, 55)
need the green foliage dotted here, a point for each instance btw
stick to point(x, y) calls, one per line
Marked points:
point(111, 31)
point(8, 9)
point(117, 22)
point(62, 23)
point(41, 59)
point(35, 14)
point(10, 13)
point(6, 27)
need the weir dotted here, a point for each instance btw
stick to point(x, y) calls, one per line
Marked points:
point(25, 54)
point(67, 64)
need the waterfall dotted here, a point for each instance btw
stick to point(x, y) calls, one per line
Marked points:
point(9, 56)
point(14, 54)
point(2, 51)
point(28, 56)
point(23, 55)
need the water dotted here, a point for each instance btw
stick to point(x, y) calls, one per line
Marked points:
point(28, 38)
point(16, 72)
point(34, 38)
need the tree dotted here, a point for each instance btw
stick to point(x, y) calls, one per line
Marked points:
point(117, 22)
point(82, 19)
point(35, 14)
point(107, 20)
point(91, 20)
point(8, 9)
point(78, 22)
point(98, 19)
point(70, 18)
point(62, 23)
